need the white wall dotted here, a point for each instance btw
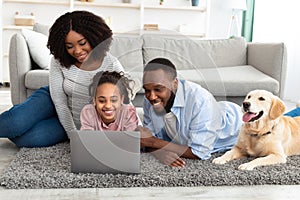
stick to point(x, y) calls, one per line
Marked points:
point(278, 21)
point(220, 16)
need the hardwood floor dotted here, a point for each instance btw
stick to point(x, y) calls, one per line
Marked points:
point(8, 151)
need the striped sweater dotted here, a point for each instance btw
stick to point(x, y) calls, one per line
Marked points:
point(69, 89)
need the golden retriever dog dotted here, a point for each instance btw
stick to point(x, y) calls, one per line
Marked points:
point(267, 135)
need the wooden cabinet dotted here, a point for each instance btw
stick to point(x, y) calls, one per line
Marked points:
point(173, 17)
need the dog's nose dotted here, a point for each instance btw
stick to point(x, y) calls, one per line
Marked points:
point(246, 105)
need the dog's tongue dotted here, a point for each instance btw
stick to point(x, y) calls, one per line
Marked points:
point(248, 116)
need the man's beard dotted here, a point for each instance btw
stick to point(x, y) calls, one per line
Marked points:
point(170, 103)
point(168, 106)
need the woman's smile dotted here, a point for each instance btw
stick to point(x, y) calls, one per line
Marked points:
point(82, 57)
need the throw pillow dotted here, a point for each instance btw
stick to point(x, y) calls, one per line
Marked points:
point(41, 28)
point(37, 45)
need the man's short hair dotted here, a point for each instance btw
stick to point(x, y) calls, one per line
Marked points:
point(164, 64)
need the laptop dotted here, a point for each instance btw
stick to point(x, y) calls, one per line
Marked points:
point(105, 151)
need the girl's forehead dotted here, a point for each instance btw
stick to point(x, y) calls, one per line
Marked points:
point(108, 88)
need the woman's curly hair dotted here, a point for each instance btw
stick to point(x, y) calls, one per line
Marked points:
point(116, 78)
point(91, 26)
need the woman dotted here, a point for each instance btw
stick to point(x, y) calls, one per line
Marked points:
point(79, 42)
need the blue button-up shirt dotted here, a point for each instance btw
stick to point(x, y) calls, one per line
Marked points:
point(202, 123)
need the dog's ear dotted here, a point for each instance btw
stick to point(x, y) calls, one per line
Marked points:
point(277, 108)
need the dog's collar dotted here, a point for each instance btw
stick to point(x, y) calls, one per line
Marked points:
point(259, 135)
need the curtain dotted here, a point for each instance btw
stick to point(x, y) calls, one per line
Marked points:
point(248, 19)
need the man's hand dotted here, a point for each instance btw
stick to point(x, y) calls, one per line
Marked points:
point(146, 136)
point(173, 151)
point(168, 158)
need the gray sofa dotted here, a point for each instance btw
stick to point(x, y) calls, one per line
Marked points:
point(229, 68)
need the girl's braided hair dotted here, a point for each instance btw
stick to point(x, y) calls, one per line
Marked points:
point(91, 26)
point(117, 78)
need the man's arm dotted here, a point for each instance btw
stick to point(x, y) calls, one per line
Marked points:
point(147, 140)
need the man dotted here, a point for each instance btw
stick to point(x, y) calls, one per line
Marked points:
point(182, 119)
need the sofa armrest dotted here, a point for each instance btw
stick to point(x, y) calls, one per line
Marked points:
point(271, 59)
point(19, 65)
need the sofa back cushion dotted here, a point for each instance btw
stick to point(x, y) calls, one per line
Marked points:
point(128, 50)
point(186, 53)
point(41, 28)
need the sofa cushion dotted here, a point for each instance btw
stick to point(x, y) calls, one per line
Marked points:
point(264, 56)
point(34, 79)
point(231, 81)
point(186, 53)
point(37, 45)
point(223, 81)
point(41, 28)
point(128, 50)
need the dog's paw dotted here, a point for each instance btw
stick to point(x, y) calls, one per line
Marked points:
point(219, 161)
point(246, 166)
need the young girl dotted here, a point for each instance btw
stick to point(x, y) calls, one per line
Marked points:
point(110, 109)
